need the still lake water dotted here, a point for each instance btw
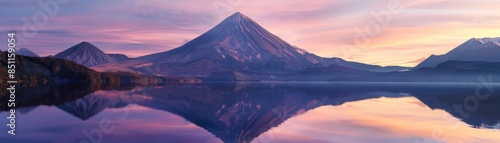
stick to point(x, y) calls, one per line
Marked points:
point(257, 112)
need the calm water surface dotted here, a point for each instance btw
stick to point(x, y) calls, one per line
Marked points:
point(257, 112)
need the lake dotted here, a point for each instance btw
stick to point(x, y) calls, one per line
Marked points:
point(257, 112)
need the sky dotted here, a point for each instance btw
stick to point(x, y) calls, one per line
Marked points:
point(383, 32)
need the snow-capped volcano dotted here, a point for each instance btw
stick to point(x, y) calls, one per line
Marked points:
point(119, 57)
point(237, 43)
point(85, 54)
point(475, 49)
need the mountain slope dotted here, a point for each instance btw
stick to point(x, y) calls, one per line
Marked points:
point(85, 54)
point(26, 52)
point(475, 49)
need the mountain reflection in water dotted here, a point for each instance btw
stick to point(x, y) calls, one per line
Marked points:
point(258, 112)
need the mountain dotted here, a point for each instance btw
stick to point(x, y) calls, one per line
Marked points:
point(26, 52)
point(85, 54)
point(42, 70)
point(119, 57)
point(237, 43)
point(361, 66)
point(449, 71)
point(475, 49)
point(49, 94)
point(90, 105)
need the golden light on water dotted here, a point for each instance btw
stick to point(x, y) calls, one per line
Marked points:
point(382, 119)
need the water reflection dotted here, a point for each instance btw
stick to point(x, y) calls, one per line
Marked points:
point(246, 112)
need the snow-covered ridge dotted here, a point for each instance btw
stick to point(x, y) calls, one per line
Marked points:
point(485, 40)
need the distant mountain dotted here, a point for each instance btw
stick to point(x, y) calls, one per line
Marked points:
point(475, 49)
point(241, 112)
point(85, 54)
point(361, 66)
point(41, 70)
point(26, 52)
point(119, 57)
point(232, 116)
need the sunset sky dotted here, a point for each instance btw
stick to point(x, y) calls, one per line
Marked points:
point(328, 28)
